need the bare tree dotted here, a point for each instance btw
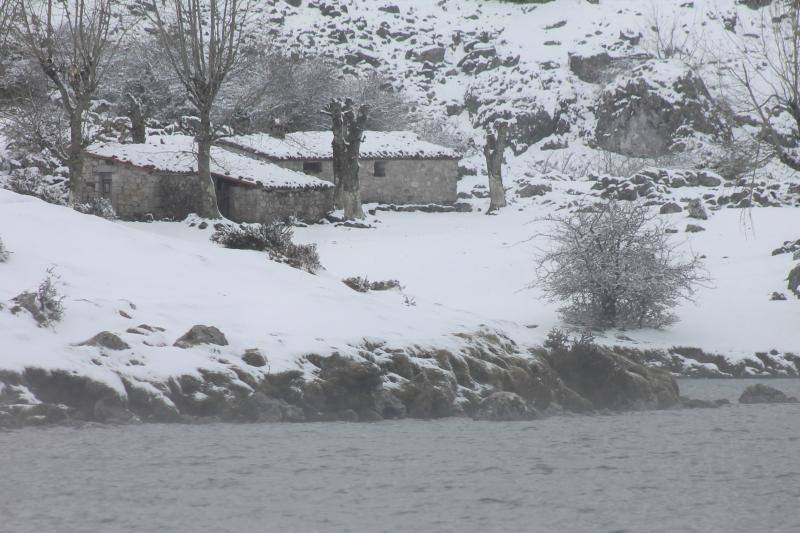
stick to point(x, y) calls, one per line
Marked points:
point(72, 41)
point(6, 14)
point(348, 131)
point(615, 266)
point(201, 40)
point(769, 77)
point(494, 149)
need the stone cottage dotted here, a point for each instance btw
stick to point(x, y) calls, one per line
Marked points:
point(159, 179)
point(396, 167)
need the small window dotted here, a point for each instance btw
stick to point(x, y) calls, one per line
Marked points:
point(379, 169)
point(107, 187)
point(312, 167)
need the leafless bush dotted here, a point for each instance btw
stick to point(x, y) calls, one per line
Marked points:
point(668, 37)
point(275, 239)
point(614, 266)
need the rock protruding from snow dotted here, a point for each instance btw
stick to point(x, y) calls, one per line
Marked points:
point(202, 335)
point(648, 112)
point(106, 339)
point(505, 407)
point(254, 357)
point(759, 393)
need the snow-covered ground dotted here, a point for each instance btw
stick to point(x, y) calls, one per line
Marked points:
point(175, 279)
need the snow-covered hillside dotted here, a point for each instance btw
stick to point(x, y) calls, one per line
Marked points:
point(566, 75)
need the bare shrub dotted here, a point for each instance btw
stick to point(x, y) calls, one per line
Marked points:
point(275, 239)
point(669, 37)
point(613, 265)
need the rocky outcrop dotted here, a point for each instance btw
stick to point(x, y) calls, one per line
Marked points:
point(648, 112)
point(489, 378)
point(759, 393)
point(505, 407)
point(612, 381)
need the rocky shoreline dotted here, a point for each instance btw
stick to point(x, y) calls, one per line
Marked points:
point(490, 378)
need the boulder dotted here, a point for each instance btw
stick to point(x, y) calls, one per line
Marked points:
point(644, 113)
point(201, 335)
point(254, 357)
point(670, 208)
point(697, 210)
point(694, 228)
point(505, 407)
point(433, 54)
point(759, 393)
point(531, 189)
point(106, 339)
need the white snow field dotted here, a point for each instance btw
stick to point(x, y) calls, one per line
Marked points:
point(108, 268)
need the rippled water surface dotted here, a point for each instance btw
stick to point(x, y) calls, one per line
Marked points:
point(730, 469)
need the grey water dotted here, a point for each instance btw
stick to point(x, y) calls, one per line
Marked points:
point(731, 469)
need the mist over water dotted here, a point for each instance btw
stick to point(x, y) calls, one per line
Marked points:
point(731, 469)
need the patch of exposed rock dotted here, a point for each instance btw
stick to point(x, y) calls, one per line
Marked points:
point(649, 111)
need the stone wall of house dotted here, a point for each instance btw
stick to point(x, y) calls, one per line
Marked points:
point(246, 203)
point(136, 192)
point(407, 181)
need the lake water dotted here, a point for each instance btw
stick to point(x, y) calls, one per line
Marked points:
point(728, 470)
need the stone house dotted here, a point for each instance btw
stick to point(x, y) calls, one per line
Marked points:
point(396, 167)
point(159, 179)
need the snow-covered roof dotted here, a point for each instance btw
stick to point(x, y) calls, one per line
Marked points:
point(316, 145)
point(177, 154)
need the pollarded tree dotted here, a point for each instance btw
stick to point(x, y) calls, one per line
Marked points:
point(201, 40)
point(72, 41)
point(613, 265)
point(348, 131)
point(494, 150)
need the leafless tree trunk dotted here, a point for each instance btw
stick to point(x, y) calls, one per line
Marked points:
point(133, 108)
point(71, 40)
point(201, 40)
point(494, 149)
point(769, 75)
point(348, 131)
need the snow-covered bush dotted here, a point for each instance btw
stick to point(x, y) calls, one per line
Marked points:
point(274, 238)
point(31, 182)
point(360, 284)
point(48, 298)
point(98, 206)
point(3, 252)
point(260, 237)
point(613, 265)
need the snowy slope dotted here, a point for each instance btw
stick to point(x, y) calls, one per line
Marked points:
point(107, 269)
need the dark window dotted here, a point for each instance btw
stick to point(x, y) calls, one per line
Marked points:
point(107, 187)
point(312, 167)
point(379, 169)
point(102, 183)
